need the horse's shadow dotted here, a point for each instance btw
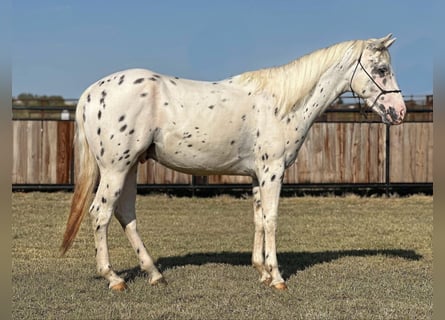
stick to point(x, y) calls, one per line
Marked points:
point(290, 262)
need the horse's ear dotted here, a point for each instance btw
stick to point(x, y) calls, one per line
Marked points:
point(385, 42)
point(388, 41)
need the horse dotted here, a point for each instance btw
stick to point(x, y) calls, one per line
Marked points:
point(251, 124)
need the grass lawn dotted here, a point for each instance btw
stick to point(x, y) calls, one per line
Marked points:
point(343, 258)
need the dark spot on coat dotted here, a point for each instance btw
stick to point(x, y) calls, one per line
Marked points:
point(103, 95)
point(275, 111)
point(243, 117)
point(152, 79)
point(144, 94)
point(131, 131)
point(165, 103)
point(272, 178)
point(121, 79)
point(98, 131)
point(127, 151)
point(211, 106)
point(89, 98)
point(173, 82)
point(102, 151)
point(99, 114)
point(121, 118)
point(111, 137)
point(140, 80)
point(122, 129)
point(104, 200)
point(232, 142)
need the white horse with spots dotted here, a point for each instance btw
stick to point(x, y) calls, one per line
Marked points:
point(251, 124)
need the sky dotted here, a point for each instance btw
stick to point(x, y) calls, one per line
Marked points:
point(60, 47)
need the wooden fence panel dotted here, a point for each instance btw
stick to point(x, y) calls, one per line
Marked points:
point(20, 139)
point(340, 152)
point(411, 158)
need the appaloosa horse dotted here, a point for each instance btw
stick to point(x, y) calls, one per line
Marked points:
point(251, 124)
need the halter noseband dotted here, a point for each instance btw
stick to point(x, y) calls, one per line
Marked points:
point(382, 91)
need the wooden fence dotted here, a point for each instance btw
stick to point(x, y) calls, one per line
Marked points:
point(334, 152)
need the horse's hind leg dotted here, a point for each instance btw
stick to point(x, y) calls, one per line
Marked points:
point(101, 210)
point(126, 214)
point(258, 244)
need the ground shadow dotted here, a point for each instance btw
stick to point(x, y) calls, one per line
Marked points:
point(290, 262)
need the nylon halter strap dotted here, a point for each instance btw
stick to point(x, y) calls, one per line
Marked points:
point(382, 91)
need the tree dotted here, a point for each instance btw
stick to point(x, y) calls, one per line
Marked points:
point(34, 100)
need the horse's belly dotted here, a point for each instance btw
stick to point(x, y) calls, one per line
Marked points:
point(195, 158)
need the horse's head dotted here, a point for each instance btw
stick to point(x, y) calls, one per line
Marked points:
point(374, 81)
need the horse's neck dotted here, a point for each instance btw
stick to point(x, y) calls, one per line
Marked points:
point(329, 86)
point(333, 82)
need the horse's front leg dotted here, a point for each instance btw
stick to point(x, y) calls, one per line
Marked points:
point(270, 180)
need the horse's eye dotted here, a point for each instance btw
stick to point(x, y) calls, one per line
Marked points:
point(382, 71)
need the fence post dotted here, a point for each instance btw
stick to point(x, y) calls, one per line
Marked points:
point(387, 160)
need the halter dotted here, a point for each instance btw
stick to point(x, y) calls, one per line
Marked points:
point(382, 91)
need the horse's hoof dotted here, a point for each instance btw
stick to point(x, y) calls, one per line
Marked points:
point(160, 281)
point(121, 286)
point(280, 286)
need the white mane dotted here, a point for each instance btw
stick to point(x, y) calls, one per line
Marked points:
point(292, 82)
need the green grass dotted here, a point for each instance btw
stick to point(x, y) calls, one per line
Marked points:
point(343, 258)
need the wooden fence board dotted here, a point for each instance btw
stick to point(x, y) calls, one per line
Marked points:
point(64, 138)
point(49, 155)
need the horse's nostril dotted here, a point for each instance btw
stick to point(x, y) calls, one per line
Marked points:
point(402, 114)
